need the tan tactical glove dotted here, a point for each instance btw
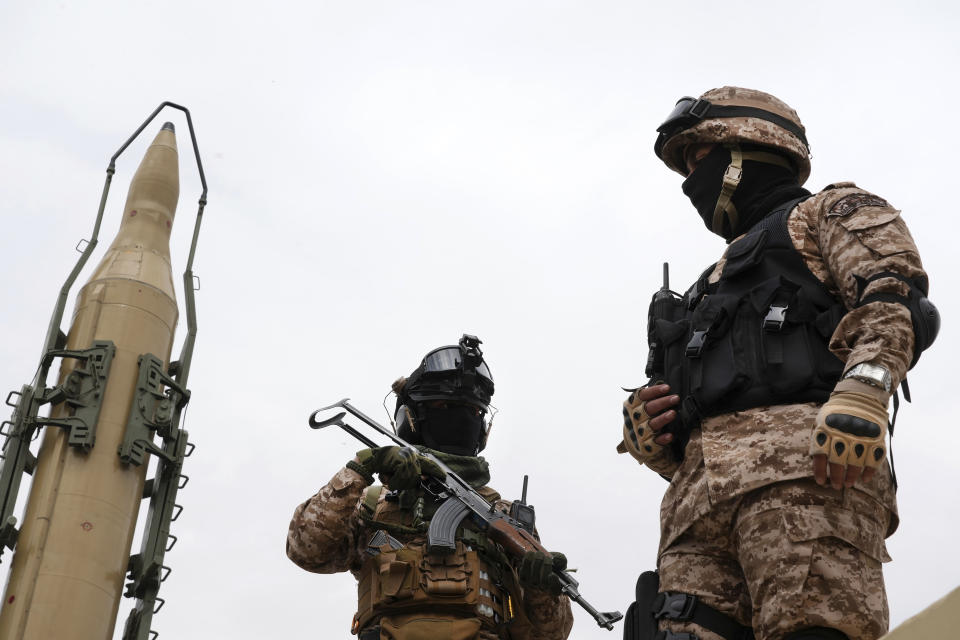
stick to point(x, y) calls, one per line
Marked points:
point(638, 438)
point(851, 427)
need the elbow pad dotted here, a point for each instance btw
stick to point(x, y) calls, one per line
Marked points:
point(923, 313)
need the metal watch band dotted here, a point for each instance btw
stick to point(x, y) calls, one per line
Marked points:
point(871, 374)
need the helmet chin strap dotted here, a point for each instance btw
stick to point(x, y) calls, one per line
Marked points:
point(731, 180)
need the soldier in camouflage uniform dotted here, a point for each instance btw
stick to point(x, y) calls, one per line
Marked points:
point(770, 381)
point(378, 533)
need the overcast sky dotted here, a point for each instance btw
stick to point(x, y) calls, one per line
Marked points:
point(385, 176)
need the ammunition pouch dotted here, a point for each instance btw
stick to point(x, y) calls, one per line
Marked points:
point(758, 336)
point(408, 580)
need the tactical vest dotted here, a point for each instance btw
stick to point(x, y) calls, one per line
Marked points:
point(758, 336)
point(474, 587)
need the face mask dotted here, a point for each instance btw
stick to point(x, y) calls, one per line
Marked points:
point(704, 184)
point(454, 429)
point(765, 180)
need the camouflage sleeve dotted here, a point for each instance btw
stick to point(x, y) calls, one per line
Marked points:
point(324, 530)
point(550, 616)
point(861, 235)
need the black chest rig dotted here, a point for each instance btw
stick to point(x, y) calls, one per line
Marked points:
point(756, 337)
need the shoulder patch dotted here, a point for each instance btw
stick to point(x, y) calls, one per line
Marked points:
point(851, 203)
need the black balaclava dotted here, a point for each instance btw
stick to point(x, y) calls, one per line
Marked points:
point(456, 428)
point(763, 186)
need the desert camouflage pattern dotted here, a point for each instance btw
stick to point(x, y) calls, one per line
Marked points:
point(327, 535)
point(742, 514)
point(790, 556)
point(845, 233)
point(739, 130)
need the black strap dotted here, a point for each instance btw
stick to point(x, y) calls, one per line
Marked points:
point(717, 111)
point(893, 422)
point(689, 608)
point(887, 297)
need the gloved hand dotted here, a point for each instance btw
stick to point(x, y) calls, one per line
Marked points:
point(642, 437)
point(398, 468)
point(537, 571)
point(850, 434)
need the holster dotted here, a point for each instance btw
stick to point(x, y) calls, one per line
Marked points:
point(639, 624)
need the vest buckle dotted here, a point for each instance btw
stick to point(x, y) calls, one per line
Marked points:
point(775, 318)
point(695, 346)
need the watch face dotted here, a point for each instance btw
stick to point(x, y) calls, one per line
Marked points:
point(871, 374)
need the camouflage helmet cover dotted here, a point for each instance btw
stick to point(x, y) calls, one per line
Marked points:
point(741, 129)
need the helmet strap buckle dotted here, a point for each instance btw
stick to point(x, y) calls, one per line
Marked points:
point(699, 108)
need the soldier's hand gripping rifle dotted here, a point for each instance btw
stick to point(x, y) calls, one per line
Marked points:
point(460, 501)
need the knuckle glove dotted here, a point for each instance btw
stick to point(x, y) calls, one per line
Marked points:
point(851, 427)
point(638, 437)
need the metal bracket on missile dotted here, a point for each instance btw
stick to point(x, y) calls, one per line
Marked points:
point(152, 411)
point(146, 570)
point(82, 391)
point(16, 454)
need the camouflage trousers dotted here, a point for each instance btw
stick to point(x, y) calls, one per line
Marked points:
point(785, 557)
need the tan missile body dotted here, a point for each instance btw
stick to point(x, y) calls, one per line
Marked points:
point(71, 557)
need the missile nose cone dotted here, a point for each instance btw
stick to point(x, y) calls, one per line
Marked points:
point(152, 198)
point(168, 126)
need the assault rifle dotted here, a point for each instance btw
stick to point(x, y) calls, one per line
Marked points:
point(459, 501)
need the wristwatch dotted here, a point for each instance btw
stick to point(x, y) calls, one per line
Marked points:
point(872, 374)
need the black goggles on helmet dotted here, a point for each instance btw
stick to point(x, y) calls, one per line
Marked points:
point(454, 359)
point(688, 112)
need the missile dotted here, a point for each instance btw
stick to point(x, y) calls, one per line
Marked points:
point(73, 549)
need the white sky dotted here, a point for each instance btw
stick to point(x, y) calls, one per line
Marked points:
point(385, 176)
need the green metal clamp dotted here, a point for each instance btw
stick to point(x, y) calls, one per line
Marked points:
point(152, 411)
point(146, 570)
point(82, 391)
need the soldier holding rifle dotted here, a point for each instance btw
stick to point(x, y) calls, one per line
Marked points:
point(411, 586)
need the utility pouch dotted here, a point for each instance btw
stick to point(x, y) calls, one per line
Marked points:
point(387, 581)
point(785, 360)
point(429, 627)
point(451, 575)
point(744, 254)
point(715, 363)
point(665, 309)
point(401, 581)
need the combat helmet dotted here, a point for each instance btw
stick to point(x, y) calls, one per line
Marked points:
point(444, 403)
point(733, 115)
